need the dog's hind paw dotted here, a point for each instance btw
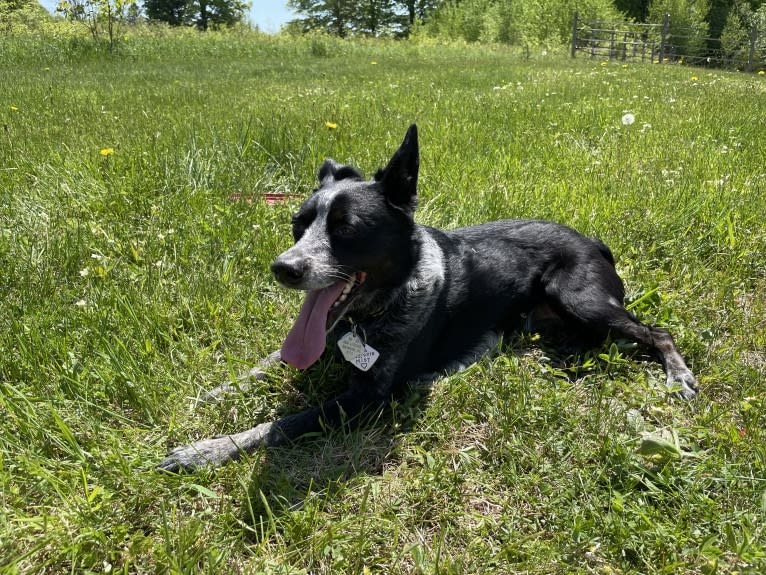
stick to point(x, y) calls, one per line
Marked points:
point(682, 384)
point(208, 452)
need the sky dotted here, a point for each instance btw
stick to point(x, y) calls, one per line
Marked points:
point(268, 15)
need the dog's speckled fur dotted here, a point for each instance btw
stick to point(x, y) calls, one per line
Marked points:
point(433, 301)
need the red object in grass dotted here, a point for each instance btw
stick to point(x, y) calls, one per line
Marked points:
point(271, 199)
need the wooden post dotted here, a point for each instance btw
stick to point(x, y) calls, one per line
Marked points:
point(664, 36)
point(574, 34)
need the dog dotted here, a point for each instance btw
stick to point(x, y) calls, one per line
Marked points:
point(406, 302)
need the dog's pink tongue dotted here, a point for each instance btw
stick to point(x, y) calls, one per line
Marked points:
point(306, 341)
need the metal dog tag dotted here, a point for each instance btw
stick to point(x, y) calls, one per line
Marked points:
point(350, 346)
point(356, 352)
point(366, 359)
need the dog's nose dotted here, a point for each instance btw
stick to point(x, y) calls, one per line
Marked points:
point(289, 272)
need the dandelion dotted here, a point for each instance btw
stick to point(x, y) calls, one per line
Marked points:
point(374, 63)
point(81, 303)
point(84, 272)
point(694, 78)
point(761, 73)
point(331, 125)
point(604, 63)
point(628, 119)
point(14, 109)
point(106, 151)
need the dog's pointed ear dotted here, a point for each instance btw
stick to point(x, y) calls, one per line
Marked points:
point(399, 179)
point(330, 170)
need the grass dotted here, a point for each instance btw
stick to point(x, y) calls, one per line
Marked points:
point(135, 280)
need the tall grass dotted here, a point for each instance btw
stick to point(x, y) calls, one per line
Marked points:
point(134, 279)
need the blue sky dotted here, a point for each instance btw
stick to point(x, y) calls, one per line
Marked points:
point(268, 15)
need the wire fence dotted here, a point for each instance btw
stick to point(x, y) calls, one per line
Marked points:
point(666, 43)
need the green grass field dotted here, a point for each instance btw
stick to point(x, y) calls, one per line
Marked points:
point(134, 269)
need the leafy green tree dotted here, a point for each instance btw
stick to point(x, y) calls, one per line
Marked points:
point(103, 18)
point(334, 16)
point(636, 9)
point(203, 14)
point(171, 11)
point(21, 15)
point(688, 28)
point(375, 17)
point(367, 17)
point(206, 14)
point(418, 10)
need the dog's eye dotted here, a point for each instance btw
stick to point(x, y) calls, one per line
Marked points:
point(344, 231)
point(298, 229)
point(300, 224)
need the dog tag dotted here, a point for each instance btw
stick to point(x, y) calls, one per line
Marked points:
point(350, 346)
point(366, 359)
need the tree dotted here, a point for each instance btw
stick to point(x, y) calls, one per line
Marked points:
point(368, 17)
point(375, 17)
point(203, 14)
point(216, 13)
point(103, 18)
point(636, 9)
point(334, 16)
point(22, 15)
point(171, 11)
point(418, 10)
point(688, 27)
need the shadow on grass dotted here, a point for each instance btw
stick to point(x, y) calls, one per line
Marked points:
point(315, 469)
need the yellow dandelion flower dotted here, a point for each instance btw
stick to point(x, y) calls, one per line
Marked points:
point(106, 151)
point(604, 63)
point(373, 62)
point(331, 125)
point(761, 73)
point(14, 109)
point(694, 78)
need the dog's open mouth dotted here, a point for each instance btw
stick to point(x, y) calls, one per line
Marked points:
point(321, 310)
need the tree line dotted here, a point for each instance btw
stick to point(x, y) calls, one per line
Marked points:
point(516, 22)
point(520, 22)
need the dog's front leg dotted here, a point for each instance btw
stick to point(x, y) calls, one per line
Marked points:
point(244, 380)
point(218, 451)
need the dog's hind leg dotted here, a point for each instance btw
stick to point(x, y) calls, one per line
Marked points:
point(593, 302)
point(662, 344)
point(486, 345)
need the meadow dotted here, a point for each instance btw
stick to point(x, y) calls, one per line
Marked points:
point(134, 272)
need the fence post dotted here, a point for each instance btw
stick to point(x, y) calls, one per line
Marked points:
point(664, 36)
point(751, 52)
point(593, 27)
point(574, 33)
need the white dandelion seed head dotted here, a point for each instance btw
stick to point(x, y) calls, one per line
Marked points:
point(628, 119)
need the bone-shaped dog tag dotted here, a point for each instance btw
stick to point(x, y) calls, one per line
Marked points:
point(350, 346)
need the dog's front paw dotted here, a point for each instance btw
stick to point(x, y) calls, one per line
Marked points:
point(683, 384)
point(213, 452)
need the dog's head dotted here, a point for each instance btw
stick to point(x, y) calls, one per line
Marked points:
point(351, 235)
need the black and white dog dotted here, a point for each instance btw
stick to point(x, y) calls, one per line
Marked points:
point(406, 302)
